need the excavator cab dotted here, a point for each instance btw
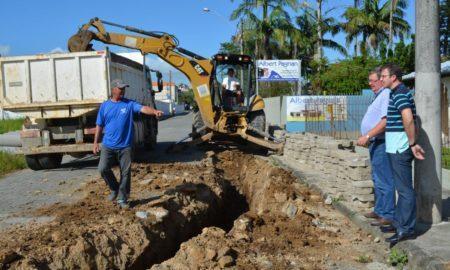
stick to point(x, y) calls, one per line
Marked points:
point(233, 93)
point(232, 85)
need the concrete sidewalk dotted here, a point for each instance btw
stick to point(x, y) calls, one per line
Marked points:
point(430, 250)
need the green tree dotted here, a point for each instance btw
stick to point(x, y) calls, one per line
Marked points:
point(274, 17)
point(229, 47)
point(310, 42)
point(444, 26)
point(372, 21)
point(402, 54)
point(187, 98)
point(345, 77)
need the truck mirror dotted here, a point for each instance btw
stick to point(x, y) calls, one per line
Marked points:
point(159, 81)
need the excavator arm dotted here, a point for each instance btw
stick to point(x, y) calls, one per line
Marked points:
point(196, 68)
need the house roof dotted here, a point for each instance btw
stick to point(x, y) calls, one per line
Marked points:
point(445, 72)
point(164, 84)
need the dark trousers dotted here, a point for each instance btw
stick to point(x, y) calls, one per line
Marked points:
point(405, 210)
point(109, 157)
point(383, 181)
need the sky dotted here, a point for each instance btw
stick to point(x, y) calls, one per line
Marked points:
point(44, 26)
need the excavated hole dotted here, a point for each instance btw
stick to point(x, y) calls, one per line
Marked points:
point(233, 204)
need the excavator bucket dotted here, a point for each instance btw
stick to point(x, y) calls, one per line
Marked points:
point(80, 42)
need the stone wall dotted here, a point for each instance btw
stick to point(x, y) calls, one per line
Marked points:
point(339, 170)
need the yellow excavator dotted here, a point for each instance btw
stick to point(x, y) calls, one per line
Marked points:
point(242, 117)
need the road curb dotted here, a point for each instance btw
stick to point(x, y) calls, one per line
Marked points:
point(417, 258)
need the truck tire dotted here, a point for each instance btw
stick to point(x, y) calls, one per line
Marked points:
point(33, 162)
point(50, 161)
point(152, 134)
point(257, 119)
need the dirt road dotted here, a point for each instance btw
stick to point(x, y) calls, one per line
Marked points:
point(25, 190)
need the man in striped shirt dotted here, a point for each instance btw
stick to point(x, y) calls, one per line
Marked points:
point(402, 148)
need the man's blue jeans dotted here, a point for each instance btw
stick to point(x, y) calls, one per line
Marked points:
point(109, 157)
point(382, 180)
point(405, 211)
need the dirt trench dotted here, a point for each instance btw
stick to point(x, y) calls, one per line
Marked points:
point(231, 210)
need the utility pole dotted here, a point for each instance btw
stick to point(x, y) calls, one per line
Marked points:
point(428, 173)
point(241, 41)
point(171, 99)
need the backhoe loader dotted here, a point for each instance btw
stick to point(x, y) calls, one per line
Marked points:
point(243, 118)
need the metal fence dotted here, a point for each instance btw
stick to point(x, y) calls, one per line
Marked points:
point(340, 118)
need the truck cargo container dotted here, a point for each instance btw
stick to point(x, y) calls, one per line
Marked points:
point(60, 94)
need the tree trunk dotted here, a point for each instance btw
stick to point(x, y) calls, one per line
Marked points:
point(265, 29)
point(319, 49)
point(355, 5)
point(391, 16)
point(256, 49)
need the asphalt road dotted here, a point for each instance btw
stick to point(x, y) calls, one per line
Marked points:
point(25, 190)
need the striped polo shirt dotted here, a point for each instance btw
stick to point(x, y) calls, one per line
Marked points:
point(396, 139)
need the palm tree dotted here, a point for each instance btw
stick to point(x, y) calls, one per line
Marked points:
point(309, 22)
point(274, 17)
point(391, 17)
point(372, 21)
point(444, 28)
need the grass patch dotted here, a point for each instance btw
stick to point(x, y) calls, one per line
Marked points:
point(446, 158)
point(398, 258)
point(11, 162)
point(10, 125)
point(364, 259)
point(338, 199)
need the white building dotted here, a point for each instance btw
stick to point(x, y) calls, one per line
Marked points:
point(169, 92)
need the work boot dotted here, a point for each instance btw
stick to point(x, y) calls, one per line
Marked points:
point(112, 196)
point(388, 229)
point(381, 222)
point(371, 215)
point(123, 204)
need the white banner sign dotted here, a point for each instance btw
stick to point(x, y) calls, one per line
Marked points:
point(278, 70)
point(316, 108)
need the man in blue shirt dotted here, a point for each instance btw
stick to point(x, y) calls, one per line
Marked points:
point(115, 119)
point(402, 148)
point(372, 134)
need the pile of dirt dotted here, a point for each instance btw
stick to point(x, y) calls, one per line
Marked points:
point(230, 210)
point(286, 227)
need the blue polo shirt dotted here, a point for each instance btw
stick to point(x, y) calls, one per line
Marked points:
point(396, 139)
point(116, 118)
point(376, 111)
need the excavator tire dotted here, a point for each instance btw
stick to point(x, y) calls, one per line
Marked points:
point(257, 119)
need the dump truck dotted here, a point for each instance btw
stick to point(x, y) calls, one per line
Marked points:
point(60, 94)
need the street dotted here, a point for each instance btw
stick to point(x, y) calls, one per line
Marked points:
point(25, 190)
